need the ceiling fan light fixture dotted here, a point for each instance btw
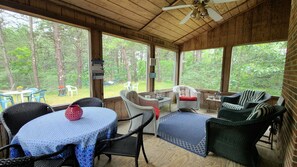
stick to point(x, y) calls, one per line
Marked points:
point(194, 13)
point(203, 12)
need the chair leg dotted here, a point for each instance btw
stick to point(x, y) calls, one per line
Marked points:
point(136, 161)
point(109, 156)
point(144, 153)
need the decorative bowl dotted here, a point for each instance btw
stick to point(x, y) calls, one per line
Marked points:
point(73, 112)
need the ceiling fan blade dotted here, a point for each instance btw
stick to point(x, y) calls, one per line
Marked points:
point(185, 19)
point(214, 15)
point(176, 7)
point(222, 1)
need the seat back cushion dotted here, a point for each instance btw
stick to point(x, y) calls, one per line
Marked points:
point(232, 106)
point(184, 91)
point(258, 96)
point(133, 97)
point(261, 110)
point(246, 96)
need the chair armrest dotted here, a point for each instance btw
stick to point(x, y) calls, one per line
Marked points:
point(231, 99)
point(16, 146)
point(67, 147)
point(234, 115)
point(196, 94)
point(148, 102)
point(127, 119)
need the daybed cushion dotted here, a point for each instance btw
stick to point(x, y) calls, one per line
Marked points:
point(187, 98)
point(232, 106)
point(261, 110)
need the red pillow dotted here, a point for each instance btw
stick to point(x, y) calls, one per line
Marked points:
point(157, 112)
point(187, 98)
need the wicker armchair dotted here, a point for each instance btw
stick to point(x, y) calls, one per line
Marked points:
point(89, 102)
point(136, 104)
point(32, 161)
point(237, 140)
point(126, 144)
point(186, 97)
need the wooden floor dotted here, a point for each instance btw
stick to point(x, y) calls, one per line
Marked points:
point(164, 154)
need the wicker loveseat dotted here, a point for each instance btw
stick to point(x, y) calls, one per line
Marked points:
point(236, 140)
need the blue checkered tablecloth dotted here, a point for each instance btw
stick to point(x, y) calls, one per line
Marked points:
point(49, 133)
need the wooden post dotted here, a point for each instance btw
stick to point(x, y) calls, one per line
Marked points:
point(96, 53)
point(151, 69)
point(178, 66)
point(225, 77)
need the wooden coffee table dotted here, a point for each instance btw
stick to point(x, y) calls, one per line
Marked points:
point(212, 100)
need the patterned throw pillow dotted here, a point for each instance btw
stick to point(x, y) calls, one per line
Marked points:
point(246, 96)
point(257, 96)
point(232, 106)
point(261, 110)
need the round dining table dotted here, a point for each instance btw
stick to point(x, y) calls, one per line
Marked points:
point(49, 133)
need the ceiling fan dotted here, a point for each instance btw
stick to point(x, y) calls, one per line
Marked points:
point(199, 9)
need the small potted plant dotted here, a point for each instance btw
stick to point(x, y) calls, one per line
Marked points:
point(19, 88)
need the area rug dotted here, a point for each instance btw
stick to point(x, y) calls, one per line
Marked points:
point(184, 129)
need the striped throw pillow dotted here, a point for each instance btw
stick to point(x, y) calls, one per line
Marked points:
point(246, 96)
point(232, 106)
point(261, 110)
point(257, 96)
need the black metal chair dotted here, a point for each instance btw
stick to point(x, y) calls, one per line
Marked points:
point(14, 117)
point(126, 145)
point(31, 161)
point(236, 140)
point(89, 102)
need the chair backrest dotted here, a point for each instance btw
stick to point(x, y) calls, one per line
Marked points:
point(69, 87)
point(183, 90)
point(33, 90)
point(41, 92)
point(89, 102)
point(131, 96)
point(14, 117)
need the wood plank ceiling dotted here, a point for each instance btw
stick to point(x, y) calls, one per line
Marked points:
point(147, 15)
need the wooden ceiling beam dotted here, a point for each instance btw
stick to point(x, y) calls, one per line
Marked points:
point(158, 15)
point(80, 9)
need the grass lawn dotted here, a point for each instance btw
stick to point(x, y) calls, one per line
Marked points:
point(53, 99)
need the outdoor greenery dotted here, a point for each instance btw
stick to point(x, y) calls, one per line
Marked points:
point(202, 68)
point(124, 61)
point(258, 67)
point(42, 54)
point(165, 69)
